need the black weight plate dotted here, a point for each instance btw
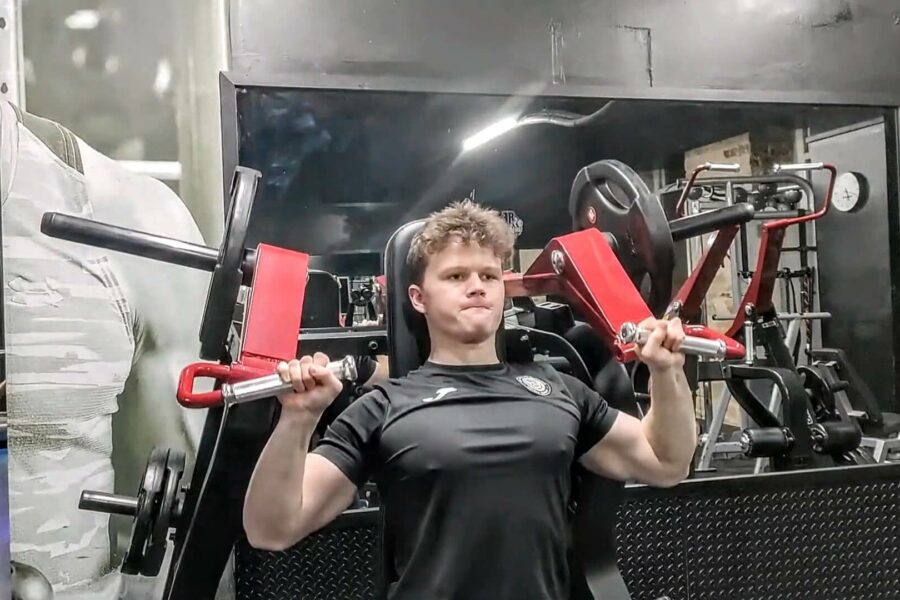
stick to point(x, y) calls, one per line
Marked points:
point(227, 276)
point(142, 526)
point(610, 196)
point(163, 516)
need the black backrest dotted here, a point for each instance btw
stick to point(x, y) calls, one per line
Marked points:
point(595, 575)
point(406, 330)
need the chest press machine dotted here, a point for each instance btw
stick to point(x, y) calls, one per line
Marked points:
point(622, 241)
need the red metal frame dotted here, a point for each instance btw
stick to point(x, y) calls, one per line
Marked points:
point(594, 281)
point(271, 323)
point(759, 293)
point(689, 297)
point(762, 284)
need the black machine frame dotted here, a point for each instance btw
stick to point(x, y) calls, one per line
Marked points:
point(195, 572)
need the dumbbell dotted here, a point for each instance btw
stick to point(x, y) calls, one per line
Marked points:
point(697, 346)
point(273, 385)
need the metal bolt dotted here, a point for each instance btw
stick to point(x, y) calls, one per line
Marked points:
point(748, 310)
point(373, 345)
point(558, 260)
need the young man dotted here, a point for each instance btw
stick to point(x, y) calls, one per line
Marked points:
point(472, 456)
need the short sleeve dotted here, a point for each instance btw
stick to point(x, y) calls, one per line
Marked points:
point(351, 441)
point(365, 367)
point(597, 417)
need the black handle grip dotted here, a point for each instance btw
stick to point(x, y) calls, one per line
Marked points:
point(129, 241)
point(714, 220)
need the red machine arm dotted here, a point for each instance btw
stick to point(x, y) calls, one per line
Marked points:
point(583, 267)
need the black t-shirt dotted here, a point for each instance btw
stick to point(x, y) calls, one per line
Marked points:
point(365, 369)
point(473, 466)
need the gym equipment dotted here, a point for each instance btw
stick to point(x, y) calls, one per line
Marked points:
point(758, 298)
point(804, 534)
point(812, 441)
point(155, 509)
point(623, 274)
point(27, 583)
point(159, 502)
point(251, 390)
point(806, 441)
point(583, 267)
point(844, 395)
point(209, 520)
point(697, 346)
point(609, 196)
point(688, 300)
point(709, 441)
point(363, 298)
point(689, 188)
point(231, 264)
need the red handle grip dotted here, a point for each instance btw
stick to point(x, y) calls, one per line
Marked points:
point(186, 396)
point(223, 373)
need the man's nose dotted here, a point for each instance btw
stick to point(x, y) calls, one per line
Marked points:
point(475, 285)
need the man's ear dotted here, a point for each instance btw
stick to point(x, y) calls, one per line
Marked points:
point(417, 298)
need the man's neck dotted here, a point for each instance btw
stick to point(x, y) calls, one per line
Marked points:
point(464, 354)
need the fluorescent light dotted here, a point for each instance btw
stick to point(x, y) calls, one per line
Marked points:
point(83, 19)
point(160, 169)
point(490, 132)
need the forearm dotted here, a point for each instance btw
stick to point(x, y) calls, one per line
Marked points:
point(274, 499)
point(670, 425)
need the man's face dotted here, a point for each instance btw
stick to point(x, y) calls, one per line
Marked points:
point(461, 294)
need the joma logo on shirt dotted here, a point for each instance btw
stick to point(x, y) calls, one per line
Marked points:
point(439, 394)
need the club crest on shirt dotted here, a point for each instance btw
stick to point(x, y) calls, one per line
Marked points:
point(534, 385)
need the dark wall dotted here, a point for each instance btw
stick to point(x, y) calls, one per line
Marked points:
point(854, 271)
point(807, 47)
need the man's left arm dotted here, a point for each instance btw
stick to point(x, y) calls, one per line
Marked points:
point(658, 449)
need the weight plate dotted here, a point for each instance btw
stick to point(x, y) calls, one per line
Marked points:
point(142, 526)
point(164, 515)
point(227, 275)
point(611, 197)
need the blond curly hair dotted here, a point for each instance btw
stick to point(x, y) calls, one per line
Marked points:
point(463, 222)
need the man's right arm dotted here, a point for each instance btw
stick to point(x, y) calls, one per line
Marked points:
point(293, 493)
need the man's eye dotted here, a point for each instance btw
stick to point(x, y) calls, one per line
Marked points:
point(490, 276)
